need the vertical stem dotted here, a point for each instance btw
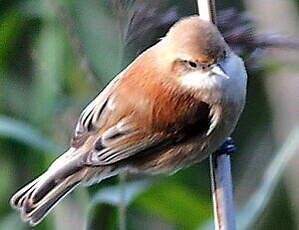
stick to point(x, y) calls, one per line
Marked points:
point(224, 216)
point(207, 10)
point(221, 179)
point(122, 205)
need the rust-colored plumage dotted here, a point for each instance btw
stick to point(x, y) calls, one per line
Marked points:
point(170, 108)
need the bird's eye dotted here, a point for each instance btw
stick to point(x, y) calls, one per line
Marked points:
point(192, 64)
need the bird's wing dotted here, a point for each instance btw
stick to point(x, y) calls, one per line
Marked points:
point(93, 116)
point(122, 141)
point(126, 120)
point(127, 138)
point(119, 135)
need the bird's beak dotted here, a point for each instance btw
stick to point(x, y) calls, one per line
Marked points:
point(218, 70)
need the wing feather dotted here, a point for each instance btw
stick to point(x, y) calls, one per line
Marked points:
point(93, 117)
point(114, 121)
point(124, 140)
point(112, 155)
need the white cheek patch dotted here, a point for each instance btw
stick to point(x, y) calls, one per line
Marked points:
point(199, 80)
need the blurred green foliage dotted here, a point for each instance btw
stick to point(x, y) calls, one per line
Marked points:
point(42, 91)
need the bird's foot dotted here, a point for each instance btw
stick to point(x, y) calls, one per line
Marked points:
point(227, 147)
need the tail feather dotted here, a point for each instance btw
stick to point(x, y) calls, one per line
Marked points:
point(38, 198)
point(17, 200)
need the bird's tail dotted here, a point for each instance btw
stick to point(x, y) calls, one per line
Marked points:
point(37, 198)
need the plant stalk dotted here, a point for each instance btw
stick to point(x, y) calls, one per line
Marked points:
point(207, 10)
point(220, 166)
point(221, 182)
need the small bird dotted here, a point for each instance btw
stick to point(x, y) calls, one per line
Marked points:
point(171, 107)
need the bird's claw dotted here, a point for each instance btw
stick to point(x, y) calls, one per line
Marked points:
point(227, 147)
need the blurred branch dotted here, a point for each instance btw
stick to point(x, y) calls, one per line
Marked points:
point(240, 34)
point(76, 44)
point(284, 106)
point(145, 18)
point(252, 209)
point(221, 178)
point(139, 19)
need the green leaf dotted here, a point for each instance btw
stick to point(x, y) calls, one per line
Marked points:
point(116, 195)
point(99, 39)
point(176, 203)
point(20, 131)
point(10, 27)
point(49, 75)
point(32, 8)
